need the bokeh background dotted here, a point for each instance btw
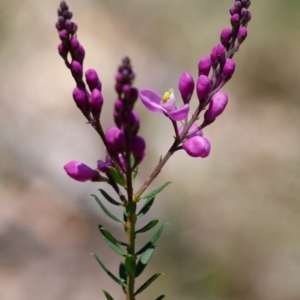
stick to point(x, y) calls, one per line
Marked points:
point(235, 216)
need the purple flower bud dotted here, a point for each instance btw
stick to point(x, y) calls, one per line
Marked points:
point(80, 54)
point(186, 87)
point(64, 5)
point(221, 51)
point(80, 171)
point(92, 80)
point(76, 68)
point(68, 25)
point(203, 86)
point(79, 96)
point(197, 146)
point(238, 5)
point(213, 55)
point(229, 67)
point(204, 66)
point(247, 18)
point(217, 105)
point(226, 35)
point(63, 52)
point(58, 26)
point(63, 35)
point(115, 139)
point(126, 88)
point(242, 34)
point(96, 100)
point(74, 43)
point(132, 121)
point(232, 10)
point(74, 28)
point(138, 147)
point(235, 20)
point(103, 166)
point(244, 12)
point(119, 105)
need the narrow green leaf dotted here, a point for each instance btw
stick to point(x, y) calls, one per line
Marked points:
point(132, 161)
point(147, 283)
point(107, 295)
point(122, 272)
point(162, 297)
point(109, 198)
point(115, 175)
point(108, 235)
point(111, 241)
point(153, 239)
point(130, 264)
point(160, 159)
point(107, 212)
point(146, 207)
point(155, 192)
point(112, 276)
point(125, 220)
point(130, 208)
point(144, 260)
point(149, 226)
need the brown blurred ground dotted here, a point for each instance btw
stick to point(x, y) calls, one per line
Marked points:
point(235, 216)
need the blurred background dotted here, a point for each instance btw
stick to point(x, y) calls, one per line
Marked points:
point(235, 216)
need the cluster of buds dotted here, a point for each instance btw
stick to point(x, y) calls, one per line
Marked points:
point(213, 73)
point(125, 149)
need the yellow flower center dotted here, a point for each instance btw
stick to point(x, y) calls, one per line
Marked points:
point(167, 95)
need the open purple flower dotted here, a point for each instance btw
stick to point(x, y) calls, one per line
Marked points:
point(164, 104)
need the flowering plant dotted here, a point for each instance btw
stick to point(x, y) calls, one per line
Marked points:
point(126, 149)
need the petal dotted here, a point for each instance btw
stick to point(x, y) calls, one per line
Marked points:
point(179, 114)
point(151, 100)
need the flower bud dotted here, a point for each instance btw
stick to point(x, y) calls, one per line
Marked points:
point(232, 10)
point(242, 34)
point(79, 96)
point(80, 172)
point(217, 105)
point(76, 68)
point(74, 43)
point(229, 67)
point(204, 66)
point(115, 139)
point(132, 121)
point(221, 52)
point(235, 20)
point(138, 148)
point(203, 86)
point(63, 52)
point(63, 35)
point(226, 35)
point(92, 80)
point(186, 87)
point(197, 146)
point(96, 100)
point(80, 53)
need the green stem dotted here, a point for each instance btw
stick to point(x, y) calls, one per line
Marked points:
point(130, 250)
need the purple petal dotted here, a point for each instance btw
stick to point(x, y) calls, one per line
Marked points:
point(179, 114)
point(151, 100)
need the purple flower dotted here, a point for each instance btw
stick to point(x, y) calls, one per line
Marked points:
point(203, 86)
point(80, 172)
point(217, 105)
point(197, 146)
point(96, 100)
point(164, 104)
